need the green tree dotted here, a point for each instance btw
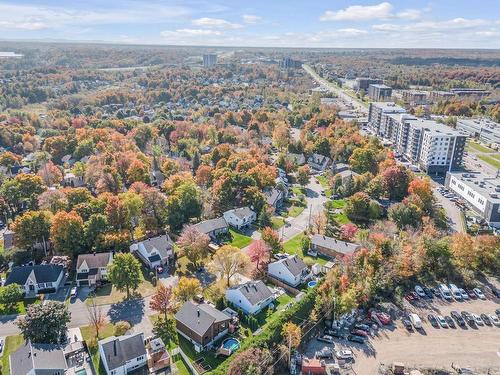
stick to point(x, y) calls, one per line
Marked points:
point(45, 323)
point(363, 160)
point(405, 214)
point(125, 272)
point(10, 295)
point(164, 327)
point(94, 227)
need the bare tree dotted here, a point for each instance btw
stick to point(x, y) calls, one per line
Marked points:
point(97, 318)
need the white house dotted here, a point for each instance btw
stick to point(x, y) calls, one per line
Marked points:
point(318, 162)
point(251, 297)
point(292, 270)
point(92, 268)
point(240, 217)
point(123, 354)
point(155, 251)
point(72, 180)
point(37, 279)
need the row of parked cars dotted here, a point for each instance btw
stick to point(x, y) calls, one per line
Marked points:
point(448, 292)
point(461, 319)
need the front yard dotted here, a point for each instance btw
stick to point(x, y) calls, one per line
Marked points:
point(11, 344)
point(294, 246)
point(239, 239)
point(20, 307)
point(88, 334)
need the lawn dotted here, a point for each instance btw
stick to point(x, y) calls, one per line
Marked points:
point(278, 222)
point(267, 315)
point(20, 307)
point(323, 181)
point(209, 356)
point(478, 147)
point(181, 367)
point(108, 294)
point(494, 162)
point(12, 343)
point(294, 211)
point(337, 203)
point(298, 190)
point(88, 333)
point(294, 246)
point(239, 239)
point(341, 218)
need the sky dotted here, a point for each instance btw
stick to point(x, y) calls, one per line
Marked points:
point(259, 23)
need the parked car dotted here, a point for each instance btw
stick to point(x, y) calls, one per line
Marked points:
point(355, 338)
point(485, 319)
point(458, 318)
point(479, 293)
point(464, 294)
point(449, 321)
point(496, 292)
point(497, 311)
point(363, 327)
point(471, 294)
point(494, 319)
point(383, 317)
point(415, 320)
point(412, 296)
point(477, 320)
point(468, 318)
point(359, 332)
point(455, 292)
point(324, 353)
point(73, 293)
point(428, 292)
point(344, 354)
point(407, 324)
point(442, 321)
point(326, 338)
point(432, 319)
point(420, 291)
point(1, 345)
point(445, 292)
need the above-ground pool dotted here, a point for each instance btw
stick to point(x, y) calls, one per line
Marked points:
point(312, 283)
point(231, 344)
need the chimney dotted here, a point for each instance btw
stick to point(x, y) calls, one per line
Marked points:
point(198, 312)
point(114, 348)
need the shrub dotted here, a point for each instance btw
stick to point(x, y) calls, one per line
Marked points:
point(92, 344)
point(121, 327)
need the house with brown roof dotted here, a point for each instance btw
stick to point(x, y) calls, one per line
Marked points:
point(91, 269)
point(332, 247)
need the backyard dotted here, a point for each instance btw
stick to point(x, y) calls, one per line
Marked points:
point(339, 216)
point(239, 239)
point(88, 334)
point(294, 246)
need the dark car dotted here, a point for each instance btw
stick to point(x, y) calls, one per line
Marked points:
point(468, 318)
point(333, 333)
point(355, 338)
point(449, 321)
point(363, 327)
point(407, 324)
point(458, 318)
point(428, 292)
point(471, 294)
point(432, 319)
point(436, 292)
point(486, 319)
point(496, 292)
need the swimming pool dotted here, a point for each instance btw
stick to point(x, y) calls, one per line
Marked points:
point(312, 283)
point(231, 344)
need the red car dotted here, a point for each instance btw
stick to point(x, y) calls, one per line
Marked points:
point(359, 332)
point(471, 294)
point(382, 317)
point(412, 296)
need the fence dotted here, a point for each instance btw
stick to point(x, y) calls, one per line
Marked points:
point(185, 359)
point(281, 284)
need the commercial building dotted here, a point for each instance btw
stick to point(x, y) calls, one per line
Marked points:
point(379, 92)
point(464, 92)
point(486, 130)
point(481, 191)
point(435, 147)
point(289, 63)
point(362, 83)
point(414, 97)
point(209, 60)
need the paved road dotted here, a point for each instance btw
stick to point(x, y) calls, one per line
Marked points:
point(452, 211)
point(356, 104)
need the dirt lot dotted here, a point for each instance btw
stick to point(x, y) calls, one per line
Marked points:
point(432, 347)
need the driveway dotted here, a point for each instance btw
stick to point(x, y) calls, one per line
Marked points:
point(60, 295)
point(452, 211)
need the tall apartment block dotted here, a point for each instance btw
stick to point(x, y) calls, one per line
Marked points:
point(379, 92)
point(209, 60)
point(435, 147)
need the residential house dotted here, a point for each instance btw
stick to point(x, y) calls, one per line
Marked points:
point(156, 177)
point(240, 217)
point(157, 354)
point(340, 167)
point(70, 179)
point(202, 324)
point(154, 252)
point(8, 239)
point(346, 176)
point(91, 269)
point(332, 247)
point(212, 227)
point(36, 279)
point(274, 197)
point(250, 297)
point(123, 354)
point(318, 162)
point(292, 270)
point(298, 159)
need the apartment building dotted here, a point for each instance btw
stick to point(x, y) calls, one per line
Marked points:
point(377, 115)
point(481, 191)
point(362, 83)
point(379, 92)
point(414, 97)
point(209, 60)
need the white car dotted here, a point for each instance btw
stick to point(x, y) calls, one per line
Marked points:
point(420, 291)
point(477, 319)
point(494, 319)
point(326, 338)
point(442, 321)
point(464, 294)
point(479, 293)
point(344, 354)
point(74, 292)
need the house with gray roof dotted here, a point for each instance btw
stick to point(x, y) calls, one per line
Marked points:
point(332, 247)
point(274, 197)
point(240, 217)
point(251, 297)
point(154, 252)
point(291, 270)
point(38, 359)
point(212, 227)
point(41, 278)
point(91, 269)
point(318, 162)
point(202, 324)
point(123, 354)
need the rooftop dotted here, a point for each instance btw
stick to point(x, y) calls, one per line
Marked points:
point(487, 186)
point(388, 107)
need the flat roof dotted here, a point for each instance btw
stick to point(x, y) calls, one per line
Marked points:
point(434, 127)
point(487, 186)
point(380, 86)
point(389, 107)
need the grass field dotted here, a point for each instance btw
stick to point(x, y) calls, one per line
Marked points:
point(473, 146)
point(294, 246)
point(12, 343)
point(181, 367)
point(491, 160)
point(295, 211)
point(88, 333)
point(20, 307)
point(278, 222)
point(239, 240)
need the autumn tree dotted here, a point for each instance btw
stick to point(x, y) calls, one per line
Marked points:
point(348, 231)
point(187, 288)
point(405, 214)
point(422, 188)
point(396, 181)
point(363, 159)
point(31, 228)
point(97, 317)
point(272, 239)
point(318, 222)
point(53, 201)
point(66, 233)
point(259, 253)
point(50, 174)
point(228, 261)
point(163, 301)
point(292, 335)
point(194, 244)
point(125, 272)
point(254, 360)
point(463, 251)
point(303, 175)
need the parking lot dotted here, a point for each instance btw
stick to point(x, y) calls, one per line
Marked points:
point(473, 347)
